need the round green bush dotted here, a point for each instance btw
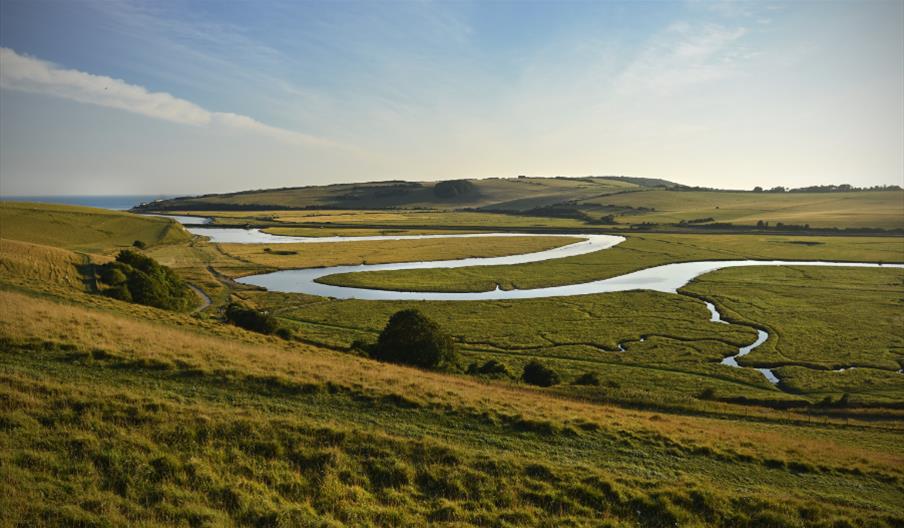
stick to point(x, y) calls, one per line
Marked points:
point(411, 338)
point(536, 373)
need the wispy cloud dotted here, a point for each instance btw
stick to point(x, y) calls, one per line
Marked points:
point(684, 55)
point(28, 74)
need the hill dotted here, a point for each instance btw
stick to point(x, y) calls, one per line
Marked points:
point(85, 229)
point(509, 194)
point(608, 202)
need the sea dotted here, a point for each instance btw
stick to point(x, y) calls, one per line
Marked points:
point(114, 202)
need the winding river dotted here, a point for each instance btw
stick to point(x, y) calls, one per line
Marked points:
point(668, 278)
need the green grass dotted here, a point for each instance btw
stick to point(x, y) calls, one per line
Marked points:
point(637, 252)
point(821, 318)
point(135, 419)
point(818, 318)
point(85, 229)
point(114, 414)
point(881, 209)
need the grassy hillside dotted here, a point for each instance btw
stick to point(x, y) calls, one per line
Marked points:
point(137, 416)
point(83, 228)
point(882, 209)
point(592, 201)
point(115, 414)
point(511, 194)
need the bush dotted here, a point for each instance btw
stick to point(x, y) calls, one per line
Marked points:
point(490, 368)
point(413, 339)
point(140, 279)
point(251, 319)
point(587, 378)
point(139, 244)
point(536, 373)
point(112, 275)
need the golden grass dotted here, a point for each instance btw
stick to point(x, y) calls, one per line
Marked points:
point(35, 264)
point(883, 209)
point(179, 341)
point(313, 254)
point(85, 228)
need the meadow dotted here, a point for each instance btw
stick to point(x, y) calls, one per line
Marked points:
point(881, 209)
point(85, 229)
point(117, 414)
point(637, 252)
point(308, 254)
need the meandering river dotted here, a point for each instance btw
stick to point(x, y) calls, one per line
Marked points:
point(667, 278)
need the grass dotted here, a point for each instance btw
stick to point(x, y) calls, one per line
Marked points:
point(132, 418)
point(308, 255)
point(818, 318)
point(85, 229)
point(823, 319)
point(352, 232)
point(637, 252)
point(513, 194)
point(420, 220)
point(114, 414)
point(882, 209)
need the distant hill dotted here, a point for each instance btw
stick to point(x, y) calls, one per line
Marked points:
point(501, 194)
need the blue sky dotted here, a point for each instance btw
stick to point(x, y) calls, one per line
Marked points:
point(122, 97)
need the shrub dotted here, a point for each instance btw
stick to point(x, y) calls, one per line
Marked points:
point(113, 276)
point(139, 244)
point(140, 279)
point(490, 368)
point(413, 339)
point(120, 292)
point(361, 347)
point(536, 373)
point(251, 319)
point(587, 378)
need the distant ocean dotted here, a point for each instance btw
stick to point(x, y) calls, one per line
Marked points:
point(118, 203)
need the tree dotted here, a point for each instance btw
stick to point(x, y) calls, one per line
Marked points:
point(757, 189)
point(536, 373)
point(412, 339)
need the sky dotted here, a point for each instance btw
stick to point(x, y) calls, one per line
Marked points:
point(179, 97)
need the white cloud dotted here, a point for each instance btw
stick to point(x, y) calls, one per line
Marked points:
point(28, 74)
point(684, 55)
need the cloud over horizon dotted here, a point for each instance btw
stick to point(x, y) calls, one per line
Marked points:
point(33, 75)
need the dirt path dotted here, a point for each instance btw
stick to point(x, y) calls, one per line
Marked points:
point(205, 299)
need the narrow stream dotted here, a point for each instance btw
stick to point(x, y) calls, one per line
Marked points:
point(732, 361)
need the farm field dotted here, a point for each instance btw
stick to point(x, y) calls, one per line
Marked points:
point(120, 413)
